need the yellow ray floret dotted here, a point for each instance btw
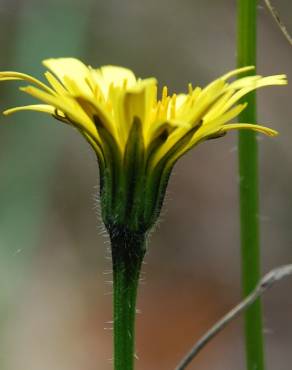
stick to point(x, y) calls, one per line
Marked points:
point(111, 98)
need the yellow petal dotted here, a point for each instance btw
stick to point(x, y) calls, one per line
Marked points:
point(109, 75)
point(72, 68)
point(265, 81)
point(236, 72)
point(249, 126)
point(226, 117)
point(243, 82)
point(204, 101)
point(56, 84)
point(24, 77)
point(68, 106)
point(217, 108)
point(35, 107)
point(117, 75)
point(180, 100)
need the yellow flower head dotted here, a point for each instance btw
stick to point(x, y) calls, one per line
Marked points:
point(137, 135)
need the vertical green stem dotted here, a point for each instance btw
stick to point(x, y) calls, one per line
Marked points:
point(249, 205)
point(127, 254)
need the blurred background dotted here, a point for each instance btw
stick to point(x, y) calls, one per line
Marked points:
point(55, 292)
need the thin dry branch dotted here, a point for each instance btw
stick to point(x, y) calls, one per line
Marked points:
point(265, 283)
point(278, 20)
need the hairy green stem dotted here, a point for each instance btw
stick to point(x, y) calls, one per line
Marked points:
point(249, 204)
point(128, 250)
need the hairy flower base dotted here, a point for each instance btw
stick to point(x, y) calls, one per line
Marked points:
point(137, 137)
point(131, 192)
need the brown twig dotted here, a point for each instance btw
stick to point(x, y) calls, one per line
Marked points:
point(265, 283)
point(278, 20)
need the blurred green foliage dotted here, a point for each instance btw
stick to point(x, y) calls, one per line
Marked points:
point(40, 30)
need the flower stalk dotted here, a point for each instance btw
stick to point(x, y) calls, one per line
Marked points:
point(249, 203)
point(127, 255)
